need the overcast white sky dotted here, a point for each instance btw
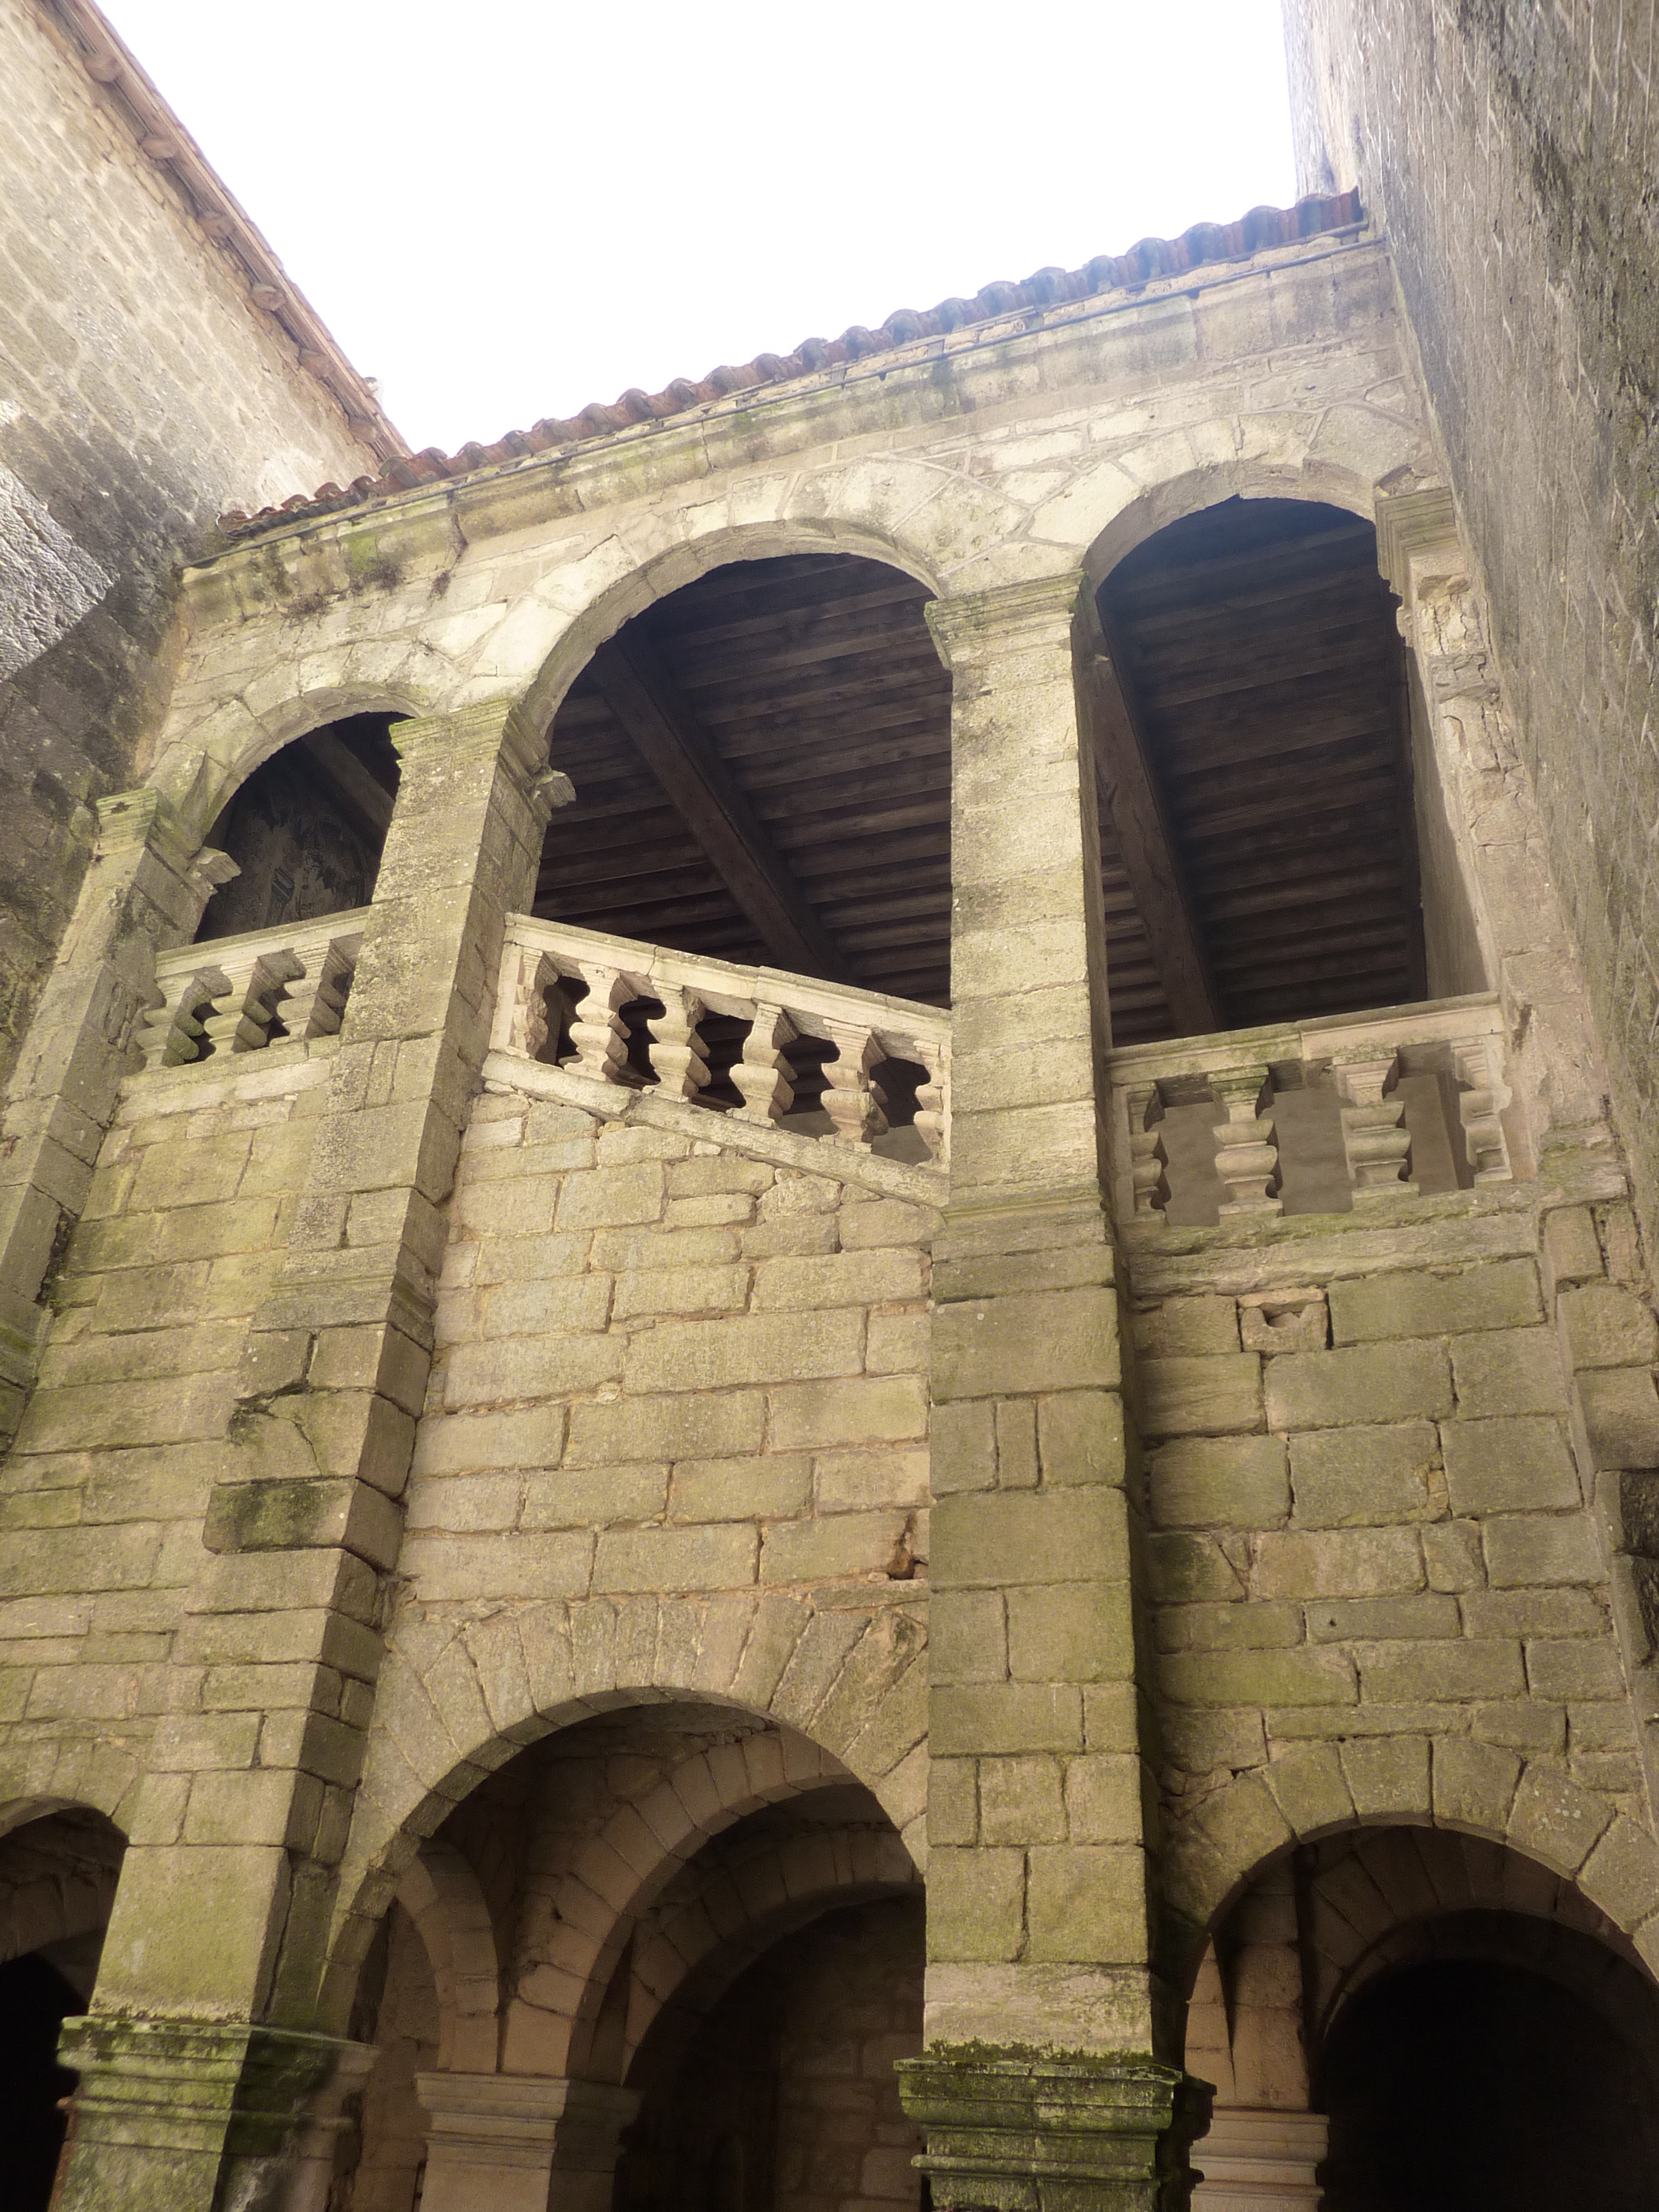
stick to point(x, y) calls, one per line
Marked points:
point(507, 209)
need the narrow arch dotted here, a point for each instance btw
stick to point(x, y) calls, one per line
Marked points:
point(440, 1893)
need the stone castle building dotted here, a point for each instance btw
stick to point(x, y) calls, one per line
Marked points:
point(827, 1337)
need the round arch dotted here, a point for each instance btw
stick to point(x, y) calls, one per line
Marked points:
point(440, 1894)
point(1472, 1789)
point(453, 1708)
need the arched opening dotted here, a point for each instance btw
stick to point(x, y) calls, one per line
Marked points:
point(762, 764)
point(635, 1954)
point(306, 830)
point(1255, 678)
point(1464, 2080)
point(1411, 2019)
point(57, 1876)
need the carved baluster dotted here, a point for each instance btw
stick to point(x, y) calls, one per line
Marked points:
point(933, 1097)
point(1246, 1143)
point(761, 1077)
point(596, 1030)
point(315, 1001)
point(174, 1029)
point(677, 1049)
point(1481, 1109)
point(521, 1023)
point(1374, 1135)
point(242, 1022)
point(851, 1098)
point(1149, 1162)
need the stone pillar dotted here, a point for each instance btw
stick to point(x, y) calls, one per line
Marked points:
point(1555, 1063)
point(507, 2142)
point(1043, 2081)
point(143, 893)
point(228, 1884)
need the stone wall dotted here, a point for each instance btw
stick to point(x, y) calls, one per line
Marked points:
point(143, 393)
point(1509, 152)
point(110, 1471)
point(666, 1367)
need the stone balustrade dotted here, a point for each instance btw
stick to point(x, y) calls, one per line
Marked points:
point(854, 1067)
point(1346, 1112)
point(240, 993)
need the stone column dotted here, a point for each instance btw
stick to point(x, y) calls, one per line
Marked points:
point(228, 1884)
point(143, 893)
point(1043, 2081)
point(509, 2142)
point(1555, 1065)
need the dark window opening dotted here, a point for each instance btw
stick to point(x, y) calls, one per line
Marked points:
point(1263, 681)
point(306, 830)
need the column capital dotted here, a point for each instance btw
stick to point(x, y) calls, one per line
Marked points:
point(194, 2113)
point(148, 818)
point(499, 727)
point(1032, 612)
point(1051, 2134)
point(1417, 531)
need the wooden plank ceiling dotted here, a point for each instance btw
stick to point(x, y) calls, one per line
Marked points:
point(816, 683)
point(761, 765)
point(1256, 647)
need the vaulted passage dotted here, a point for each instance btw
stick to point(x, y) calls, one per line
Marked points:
point(1255, 680)
point(763, 772)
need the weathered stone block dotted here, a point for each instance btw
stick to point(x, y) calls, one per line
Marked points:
point(976, 1904)
point(1373, 1619)
point(1338, 1563)
point(1019, 1801)
point(1185, 1568)
point(681, 1291)
point(751, 1489)
point(1201, 1397)
point(1300, 1677)
point(823, 1550)
point(874, 1409)
point(1087, 1901)
point(841, 1279)
point(1201, 1327)
point(593, 1497)
point(1584, 1667)
point(1457, 1668)
point(569, 1303)
point(1364, 1476)
point(1080, 1437)
point(1259, 1625)
point(713, 1355)
point(669, 1427)
point(1605, 1326)
point(489, 1372)
point(1222, 1482)
point(1503, 1294)
point(1508, 1371)
point(987, 1717)
point(1363, 1384)
point(1508, 1466)
point(1007, 1346)
point(720, 1558)
point(1539, 1547)
point(611, 1198)
point(968, 1636)
point(1076, 1634)
point(851, 1482)
point(1022, 1537)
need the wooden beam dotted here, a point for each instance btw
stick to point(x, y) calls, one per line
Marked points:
point(658, 721)
point(1129, 793)
point(350, 781)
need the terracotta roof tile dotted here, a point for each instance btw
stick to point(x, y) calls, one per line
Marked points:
point(1261, 230)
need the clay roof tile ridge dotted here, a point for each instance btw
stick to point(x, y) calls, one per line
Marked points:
point(1259, 231)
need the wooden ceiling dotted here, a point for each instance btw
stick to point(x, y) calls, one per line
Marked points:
point(761, 765)
point(1256, 650)
point(817, 687)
